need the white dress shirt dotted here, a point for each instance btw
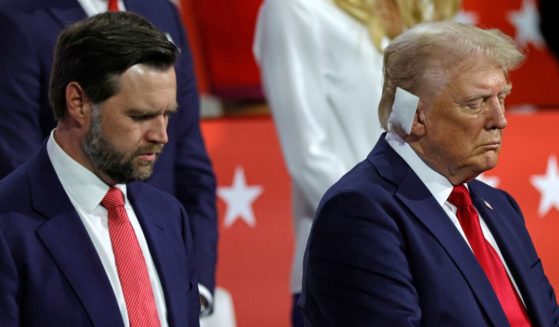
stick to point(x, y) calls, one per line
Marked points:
point(323, 78)
point(440, 188)
point(86, 191)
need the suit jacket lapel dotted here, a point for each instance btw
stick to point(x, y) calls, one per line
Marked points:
point(163, 251)
point(511, 249)
point(417, 198)
point(69, 244)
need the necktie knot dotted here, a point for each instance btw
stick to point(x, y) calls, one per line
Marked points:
point(112, 5)
point(113, 199)
point(460, 196)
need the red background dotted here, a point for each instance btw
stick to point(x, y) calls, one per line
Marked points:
point(254, 262)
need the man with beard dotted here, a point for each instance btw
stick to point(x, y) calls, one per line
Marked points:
point(82, 240)
point(28, 32)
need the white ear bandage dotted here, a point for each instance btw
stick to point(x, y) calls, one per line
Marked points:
point(403, 111)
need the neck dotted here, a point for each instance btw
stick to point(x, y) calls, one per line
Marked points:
point(70, 138)
point(453, 175)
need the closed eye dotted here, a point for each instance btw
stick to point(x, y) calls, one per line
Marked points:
point(475, 105)
point(170, 113)
point(140, 118)
point(141, 115)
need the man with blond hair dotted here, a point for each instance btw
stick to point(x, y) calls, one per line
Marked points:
point(408, 237)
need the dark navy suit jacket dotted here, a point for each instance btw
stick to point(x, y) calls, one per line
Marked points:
point(382, 252)
point(50, 273)
point(28, 31)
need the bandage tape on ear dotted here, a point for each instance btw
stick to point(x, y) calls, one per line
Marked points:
point(403, 111)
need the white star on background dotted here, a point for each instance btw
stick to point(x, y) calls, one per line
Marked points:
point(239, 198)
point(489, 180)
point(526, 22)
point(548, 186)
point(467, 17)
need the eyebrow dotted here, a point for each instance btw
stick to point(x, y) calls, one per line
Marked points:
point(147, 111)
point(505, 91)
point(173, 109)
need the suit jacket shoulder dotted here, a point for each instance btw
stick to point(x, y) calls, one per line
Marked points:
point(383, 252)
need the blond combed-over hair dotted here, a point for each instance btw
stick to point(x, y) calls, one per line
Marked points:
point(428, 52)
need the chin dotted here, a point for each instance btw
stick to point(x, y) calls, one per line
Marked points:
point(142, 176)
point(482, 169)
point(478, 169)
point(489, 161)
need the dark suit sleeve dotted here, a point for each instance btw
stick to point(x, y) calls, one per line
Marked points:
point(20, 94)
point(356, 270)
point(9, 312)
point(193, 300)
point(538, 270)
point(195, 181)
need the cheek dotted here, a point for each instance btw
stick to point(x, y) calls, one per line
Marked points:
point(123, 137)
point(463, 131)
point(451, 143)
point(446, 133)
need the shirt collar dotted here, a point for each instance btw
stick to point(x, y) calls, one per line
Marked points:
point(81, 184)
point(437, 184)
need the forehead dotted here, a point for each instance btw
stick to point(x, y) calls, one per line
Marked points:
point(142, 76)
point(145, 88)
point(476, 74)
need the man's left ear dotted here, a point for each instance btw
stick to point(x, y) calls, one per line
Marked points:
point(418, 125)
point(77, 104)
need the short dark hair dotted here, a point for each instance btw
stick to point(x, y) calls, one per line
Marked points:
point(95, 51)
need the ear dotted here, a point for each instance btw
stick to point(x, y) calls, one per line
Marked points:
point(418, 126)
point(77, 104)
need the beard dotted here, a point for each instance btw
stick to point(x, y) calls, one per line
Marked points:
point(120, 166)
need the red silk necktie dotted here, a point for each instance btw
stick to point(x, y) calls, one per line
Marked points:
point(112, 5)
point(130, 263)
point(488, 258)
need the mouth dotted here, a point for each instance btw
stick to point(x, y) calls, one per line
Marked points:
point(149, 153)
point(150, 156)
point(496, 145)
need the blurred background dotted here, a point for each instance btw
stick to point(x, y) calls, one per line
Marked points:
point(256, 238)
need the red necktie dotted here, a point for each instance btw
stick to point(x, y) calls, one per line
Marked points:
point(488, 258)
point(130, 263)
point(112, 5)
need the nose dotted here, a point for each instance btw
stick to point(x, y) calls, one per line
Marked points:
point(496, 114)
point(157, 132)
